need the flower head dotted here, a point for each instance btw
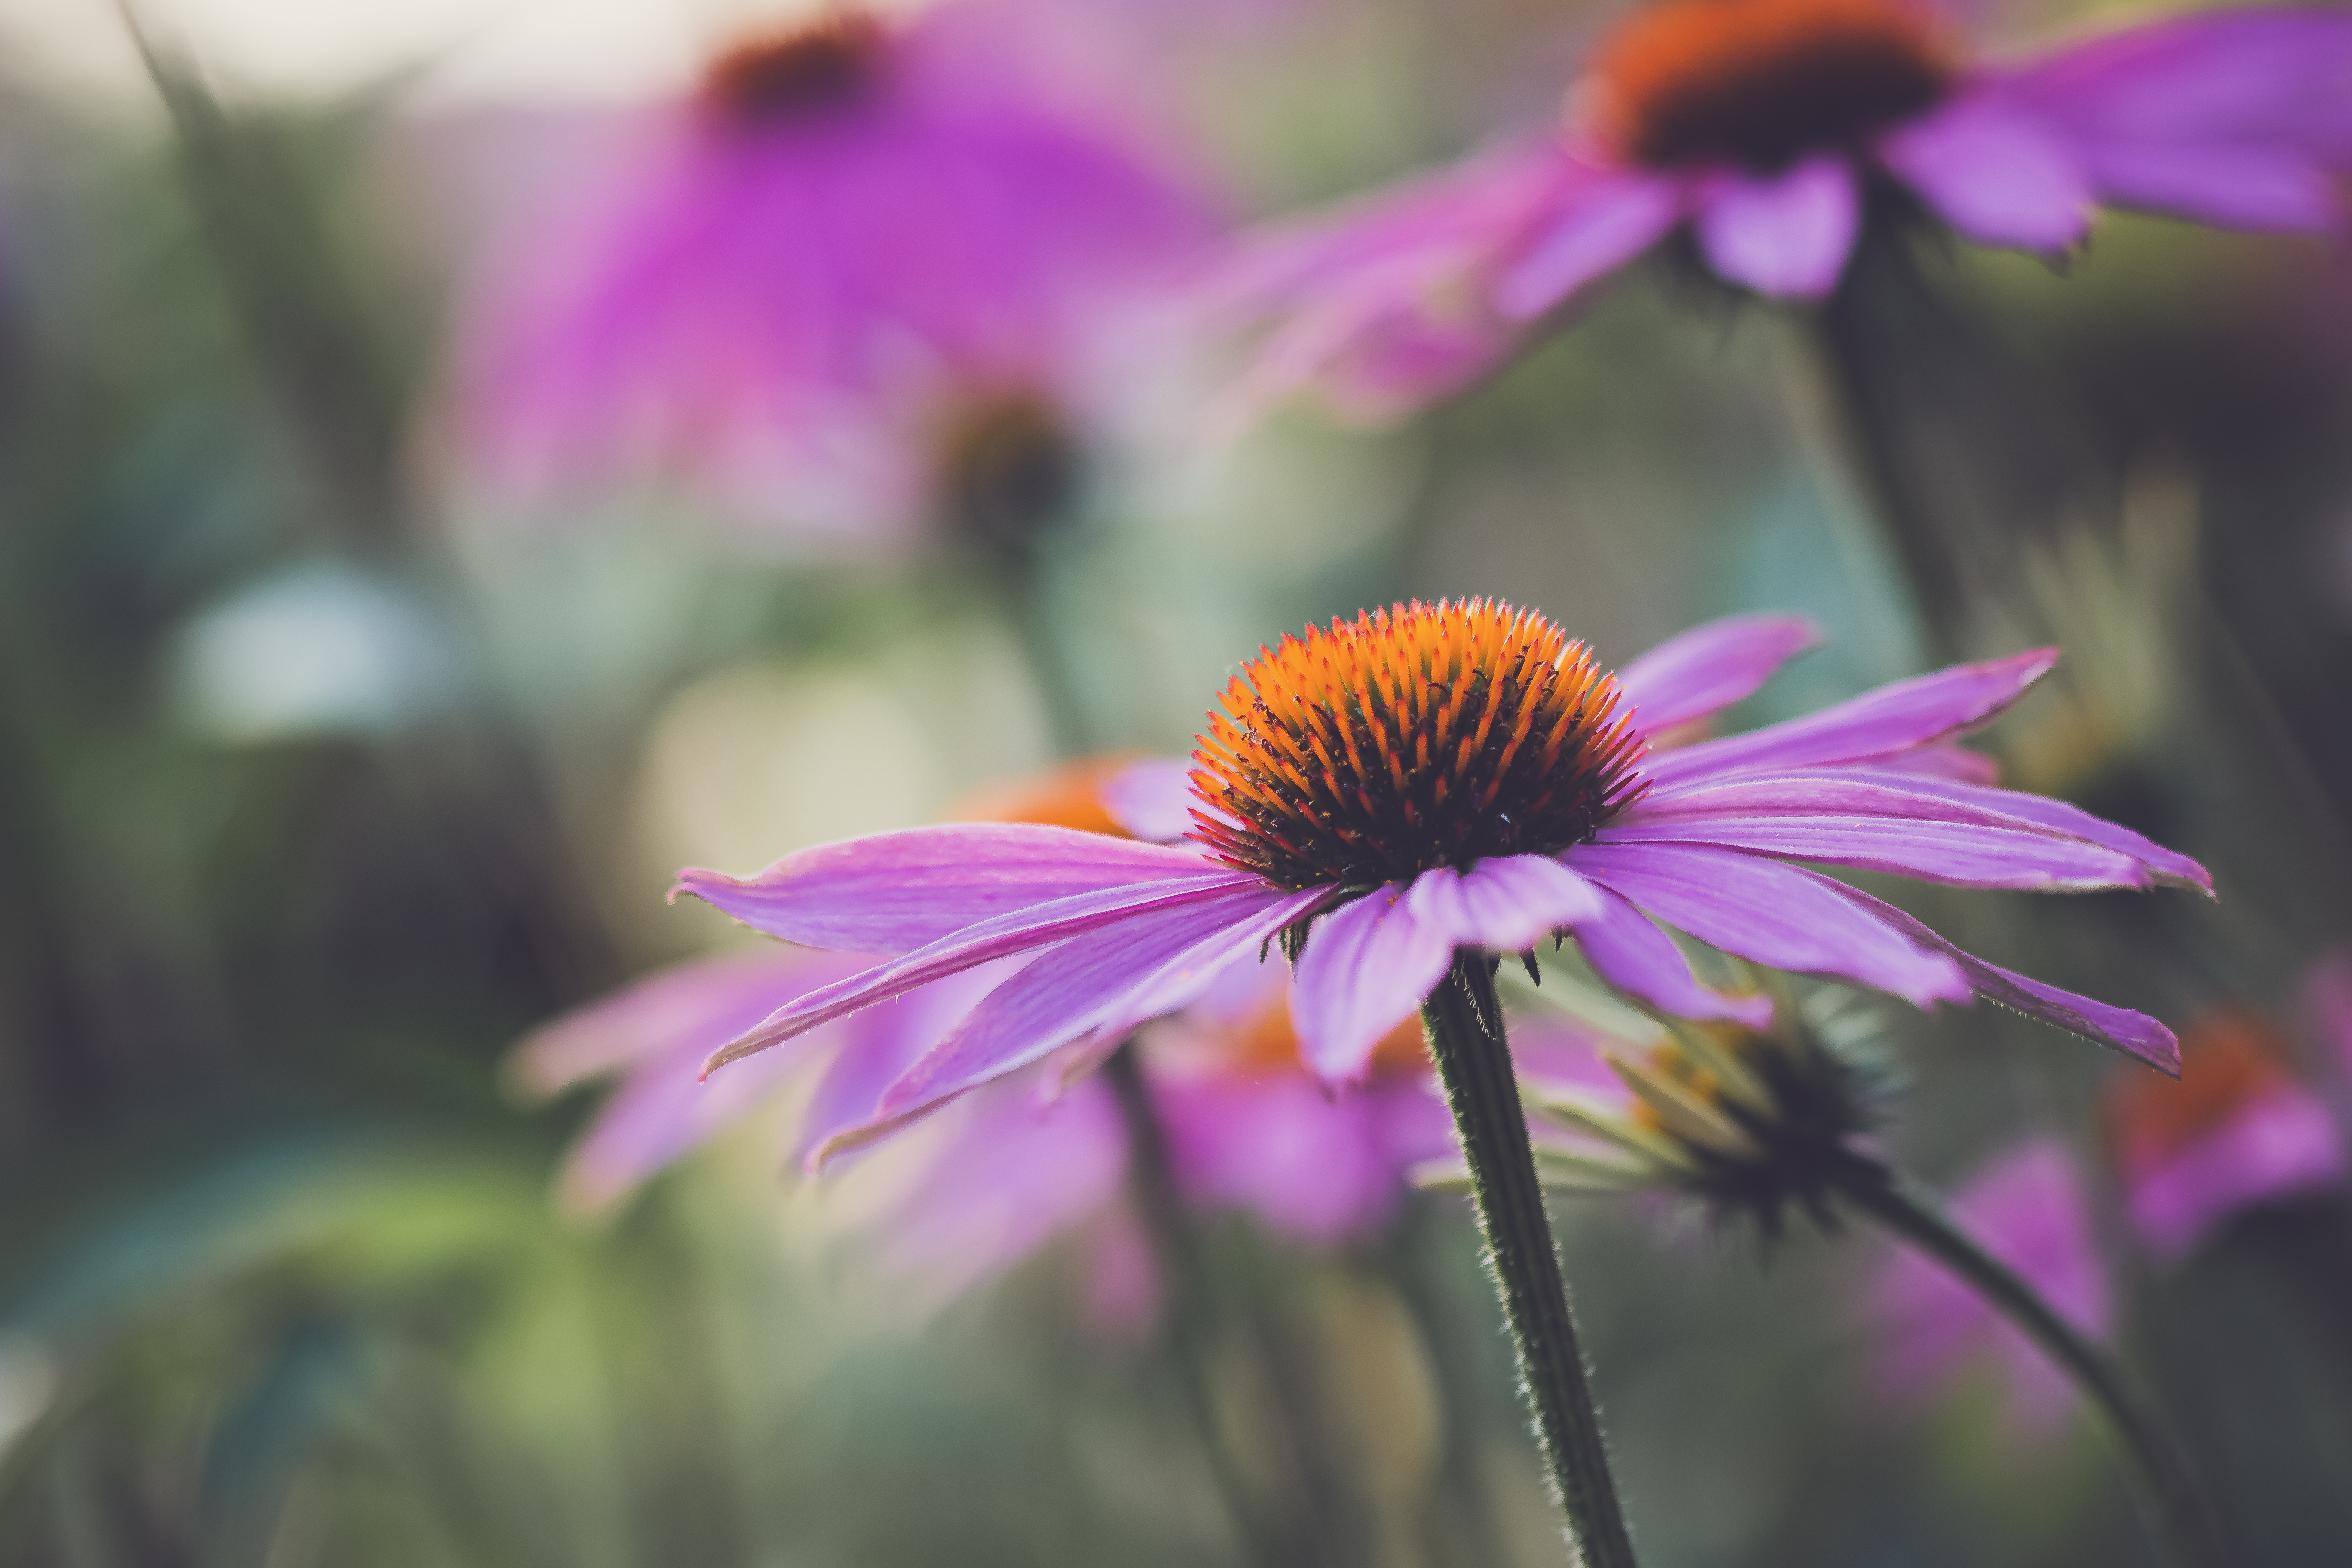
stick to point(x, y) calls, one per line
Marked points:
point(1766, 130)
point(2237, 1129)
point(1350, 802)
point(868, 275)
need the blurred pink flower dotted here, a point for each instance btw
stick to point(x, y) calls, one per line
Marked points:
point(1762, 129)
point(2027, 1209)
point(2237, 1129)
point(1009, 1169)
point(863, 257)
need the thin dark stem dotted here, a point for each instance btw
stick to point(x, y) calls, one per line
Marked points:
point(2184, 1522)
point(1270, 1536)
point(1465, 1033)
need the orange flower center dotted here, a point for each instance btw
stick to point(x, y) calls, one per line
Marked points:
point(1761, 83)
point(1412, 737)
point(2229, 1059)
point(797, 71)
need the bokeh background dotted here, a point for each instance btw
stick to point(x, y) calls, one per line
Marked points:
point(325, 775)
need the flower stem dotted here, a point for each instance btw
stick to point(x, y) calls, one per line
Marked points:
point(2183, 1521)
point(1465, 1033)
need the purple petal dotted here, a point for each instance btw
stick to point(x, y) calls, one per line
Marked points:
point(2136, 1034)
point(2276, 1146)
point(1960, 855)
point(1788, 237)
point(1597, 224)
point(1366, 970)
point(894, 892)
point(1880, 723)
point(1709, 668)
point(1313, 1164)
point(1507, 903)
point(1035, 926)
point(882, 1042)
point(1995, 172)
point(1120, 976)
point(1153, 799)
point(707, 1002)
point(1779, 915)
point(1637, 958)
point(2264, 189)
point(1943, 761)
point(2168, 867)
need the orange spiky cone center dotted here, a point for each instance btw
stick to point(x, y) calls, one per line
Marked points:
point(1761, 83)
point(1412, 737)
point(797, 71)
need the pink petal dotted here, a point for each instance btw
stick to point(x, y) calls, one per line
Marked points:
point(1038, 926)
point(2232, 76)
point(894, 892)
point(1771, 914)
point(1709, 668)
point(1506, 903)
point(1880, 723)
point(1153, 800)
point(1366, 970)
point(2136, 1034)
point(1995, 172)
point(2274, 1147)
point(1597, 224)
point(1788, 237)
point(2264, 189)
point(709, 1000)
point(2166, 866)
point(1960, 855)
point(880, 1043)
point(1943, 761)
point(1637, 958)
point(1171, 954)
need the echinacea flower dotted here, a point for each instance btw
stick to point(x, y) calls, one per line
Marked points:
point(1764, 130)
point(1246, 1126)
point(1376, 796)
point(2238, 1130)
point(865, 276)
point(2027, 1209)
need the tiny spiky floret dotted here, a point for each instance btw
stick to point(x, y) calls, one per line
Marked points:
point(1412, 738)
point(1761, 83)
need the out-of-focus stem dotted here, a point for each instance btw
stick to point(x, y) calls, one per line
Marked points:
point(2182, 1519)
point(1465, 1033)
point(1271, 1537)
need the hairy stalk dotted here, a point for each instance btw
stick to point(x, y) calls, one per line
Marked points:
point(1271, 1535)
point(2181, 1520)
point(1465, 1034)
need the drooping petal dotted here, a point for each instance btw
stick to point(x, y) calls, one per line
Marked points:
point(1776, 915)
point(707, 1002)
point(1629, 952)
point(1709, 668)
point(1596, 224)
point(1787, 237)
point(1366, 970)
point(1073, 990)
point(2276, 1146)
point(1022, 931)
point(1961, 855)
point(1880, 723)
point(881, 1042)
point(2264, 189)
point(894, 892)
point(1507, 903)
point(2135, 1034)
point(1996, 172)
point(2166, 866)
